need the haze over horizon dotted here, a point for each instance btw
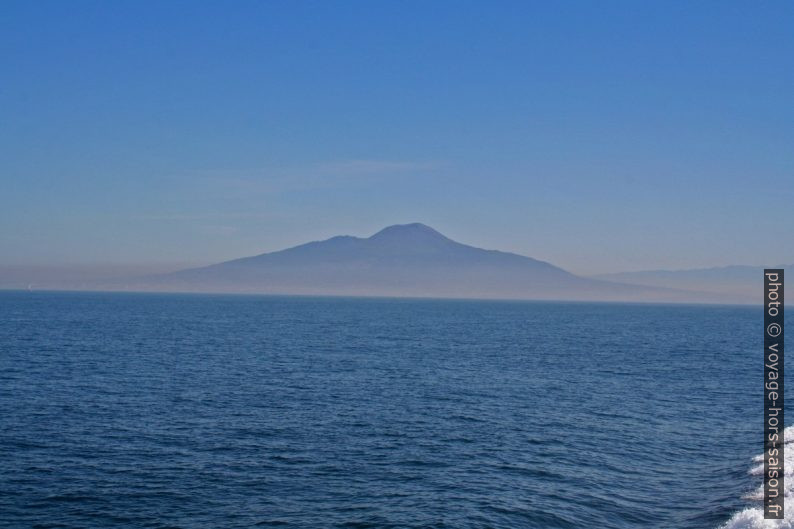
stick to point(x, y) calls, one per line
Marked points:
point(406, 260)
point(105, 269)
point(601, 138)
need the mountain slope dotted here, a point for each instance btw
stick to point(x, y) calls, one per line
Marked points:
point(403, 260)
point(744, 283)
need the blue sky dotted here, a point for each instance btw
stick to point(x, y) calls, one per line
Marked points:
point(600, 136)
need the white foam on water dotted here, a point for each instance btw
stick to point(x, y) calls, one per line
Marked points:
point(753, 517)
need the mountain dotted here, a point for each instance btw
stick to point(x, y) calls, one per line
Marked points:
point(743, 283)
point(411, 260)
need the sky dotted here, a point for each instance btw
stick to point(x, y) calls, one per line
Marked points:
point(599, 136)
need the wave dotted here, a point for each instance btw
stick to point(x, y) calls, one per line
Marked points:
point(753, 517)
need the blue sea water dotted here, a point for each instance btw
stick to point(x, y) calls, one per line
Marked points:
point(193, 411)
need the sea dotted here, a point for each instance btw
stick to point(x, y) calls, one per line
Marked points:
point(212, 411)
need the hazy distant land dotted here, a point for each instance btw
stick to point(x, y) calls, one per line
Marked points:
point(410, 260)
point(743, 283)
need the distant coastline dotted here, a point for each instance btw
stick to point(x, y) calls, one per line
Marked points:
point(404, 261)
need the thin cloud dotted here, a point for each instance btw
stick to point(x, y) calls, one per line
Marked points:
point(356, 167)
point(201, 216)
point(236, 187)
point(321, 175)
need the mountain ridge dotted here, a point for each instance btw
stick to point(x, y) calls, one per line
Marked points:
point(406, 260)
point(403, 260)
point(394, 242)
point(740, 281)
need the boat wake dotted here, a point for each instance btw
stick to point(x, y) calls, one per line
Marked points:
point(753, 517)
